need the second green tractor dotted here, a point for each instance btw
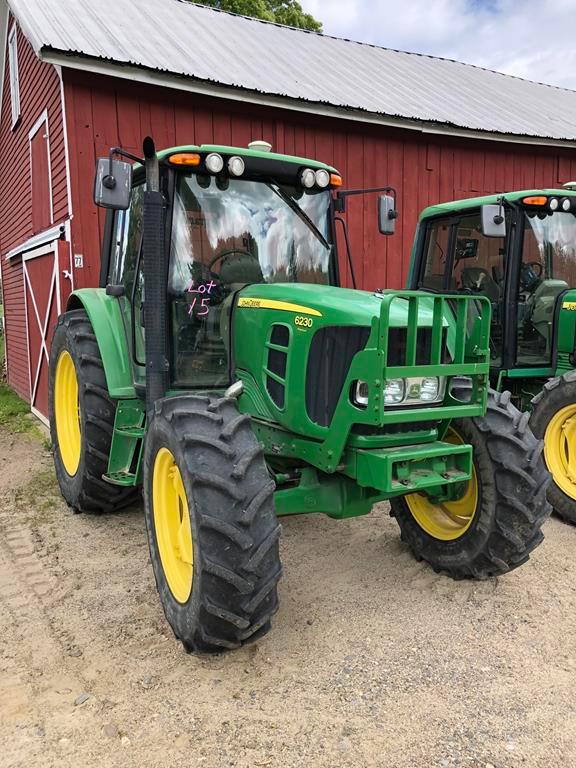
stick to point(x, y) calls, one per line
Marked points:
point(518, 251)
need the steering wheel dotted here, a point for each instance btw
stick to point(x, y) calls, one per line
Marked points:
point(227, 254)
point(529, 276)
point(536, 264)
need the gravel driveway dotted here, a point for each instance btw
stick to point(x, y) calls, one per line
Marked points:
point(373, 659)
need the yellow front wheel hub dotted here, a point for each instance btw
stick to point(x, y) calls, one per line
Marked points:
point(67, 413)
point(446, 520)
point(172, 525)
point(560, 449)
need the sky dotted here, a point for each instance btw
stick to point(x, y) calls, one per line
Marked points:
point(534, 39)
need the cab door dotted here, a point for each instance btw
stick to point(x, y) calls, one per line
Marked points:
point(458, 258)
point(125, 277)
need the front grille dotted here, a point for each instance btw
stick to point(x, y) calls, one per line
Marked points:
point(331, 353)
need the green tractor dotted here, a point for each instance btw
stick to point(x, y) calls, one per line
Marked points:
point(518, 250)
point(221, 368)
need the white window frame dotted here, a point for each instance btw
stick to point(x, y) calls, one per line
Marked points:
point(14, 81)
point(42, 122)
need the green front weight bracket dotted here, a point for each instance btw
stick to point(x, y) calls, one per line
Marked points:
point(395, 471)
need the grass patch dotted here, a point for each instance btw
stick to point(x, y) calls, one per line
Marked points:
point(14, 412)
point(40, 494)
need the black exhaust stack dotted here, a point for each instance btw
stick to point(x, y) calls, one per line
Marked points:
point(155, 281)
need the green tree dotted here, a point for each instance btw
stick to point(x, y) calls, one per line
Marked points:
point(288, 12)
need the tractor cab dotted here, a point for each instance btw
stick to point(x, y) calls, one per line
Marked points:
point(237, 218)
point(519, 251)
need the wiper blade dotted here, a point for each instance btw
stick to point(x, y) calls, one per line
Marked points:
point(293, 205)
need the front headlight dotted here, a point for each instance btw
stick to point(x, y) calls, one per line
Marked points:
point(394, 391)
point(416, 390)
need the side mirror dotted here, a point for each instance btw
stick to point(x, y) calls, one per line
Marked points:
point(387, 214)
point(493, 222)
point(113, 184)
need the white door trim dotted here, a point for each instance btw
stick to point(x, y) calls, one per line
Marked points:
point(41, 323)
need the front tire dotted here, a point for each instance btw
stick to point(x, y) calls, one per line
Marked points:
point(212, 529)
point(553, 419)
point(82, 418)
point(497, 524)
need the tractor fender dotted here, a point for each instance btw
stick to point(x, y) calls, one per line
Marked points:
point(104, 314)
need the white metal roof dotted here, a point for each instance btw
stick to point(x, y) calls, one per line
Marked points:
point(222, 50)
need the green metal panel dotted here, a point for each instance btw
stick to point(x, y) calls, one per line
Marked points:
point(290, 432)
point(565, 331)
point(333, 495)
point(124, 462)
point(527, 373)
point(377, 475)
point(104, 314)
point(410, 469)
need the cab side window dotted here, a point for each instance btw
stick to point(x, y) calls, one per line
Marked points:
point(126, 270)
point(478, 264)
point(436, 256)
point(126, 242)
point(460, 259)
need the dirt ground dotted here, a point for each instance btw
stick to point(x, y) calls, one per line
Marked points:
point(373, 660)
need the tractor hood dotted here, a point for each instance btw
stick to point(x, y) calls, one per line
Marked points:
point(336, 306)
point(300, 351)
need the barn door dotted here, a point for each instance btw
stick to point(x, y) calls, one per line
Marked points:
point(45, 289)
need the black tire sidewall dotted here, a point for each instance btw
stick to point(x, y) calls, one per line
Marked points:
point(70, 485)
point(556, 394)
point(512, 507)
point(181, 616)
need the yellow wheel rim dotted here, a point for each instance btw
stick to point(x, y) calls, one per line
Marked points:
point(446, 520)
point(172, 525)
point(560, 449)
point(67, 413)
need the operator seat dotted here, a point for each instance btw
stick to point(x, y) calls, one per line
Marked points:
point(479, 280)
point(540, 309)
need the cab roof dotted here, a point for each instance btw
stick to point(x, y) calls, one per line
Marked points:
point(245, 152)
point(476, 202)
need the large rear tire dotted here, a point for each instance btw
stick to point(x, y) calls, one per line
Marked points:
point(553, 419)
point(81, 418)
point(212, 529)
point(495, 526)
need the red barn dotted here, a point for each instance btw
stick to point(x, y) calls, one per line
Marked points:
point(81, 76)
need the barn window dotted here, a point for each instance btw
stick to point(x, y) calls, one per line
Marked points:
point(40, 174)
point(14, 84)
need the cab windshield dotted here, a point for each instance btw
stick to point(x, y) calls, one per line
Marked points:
point(227, 234)
point(261, 232)
point(458, 257)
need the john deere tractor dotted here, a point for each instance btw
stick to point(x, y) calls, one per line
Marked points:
point(221, 368)
point(518, 251)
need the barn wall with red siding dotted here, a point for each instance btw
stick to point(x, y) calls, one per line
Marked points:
point(104, 111)
point(39, 90)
